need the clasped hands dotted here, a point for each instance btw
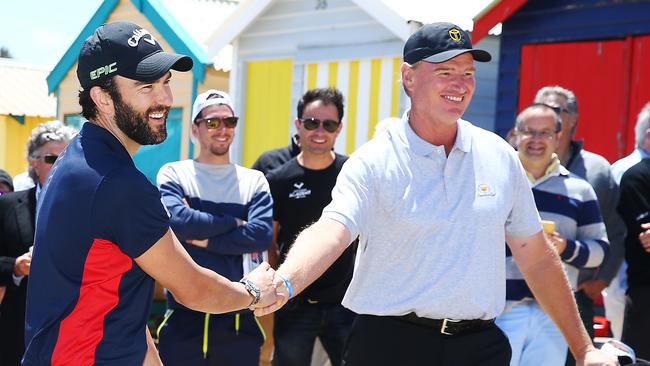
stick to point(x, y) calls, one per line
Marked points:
point(273, 291)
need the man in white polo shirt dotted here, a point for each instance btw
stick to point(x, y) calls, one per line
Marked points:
point(432, 201)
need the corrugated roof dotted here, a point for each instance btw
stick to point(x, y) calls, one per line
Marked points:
point(23, 90)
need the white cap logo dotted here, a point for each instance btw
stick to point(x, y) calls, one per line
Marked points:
point(139, 34)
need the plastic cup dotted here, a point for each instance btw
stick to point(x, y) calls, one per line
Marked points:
point(548, 226)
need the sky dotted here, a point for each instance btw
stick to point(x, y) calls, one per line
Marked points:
point(41, 37)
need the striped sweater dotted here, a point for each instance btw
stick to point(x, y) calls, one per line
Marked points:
point(203, 201)
point(571, 203)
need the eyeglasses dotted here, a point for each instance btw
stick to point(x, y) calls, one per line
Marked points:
point(48, 158)
point(313, 123)
point(215, 122)
point(545, 135)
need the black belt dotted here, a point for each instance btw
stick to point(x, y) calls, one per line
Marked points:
point(448, 326)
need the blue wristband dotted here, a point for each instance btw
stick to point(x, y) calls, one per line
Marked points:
point(287, 284)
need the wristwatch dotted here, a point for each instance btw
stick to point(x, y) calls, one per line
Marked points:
point(252, 289)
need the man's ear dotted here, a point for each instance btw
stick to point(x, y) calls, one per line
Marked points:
point(573, 119)
point(408, 75)
point(194, 131)
point(102, 100)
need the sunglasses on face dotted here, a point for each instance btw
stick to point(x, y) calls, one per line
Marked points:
point(215, 122)
point(313, 123)
point(48, 158)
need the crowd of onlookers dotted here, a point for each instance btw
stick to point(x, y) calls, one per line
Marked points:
point(392, 256)
point(18, 202)
point(587, 207)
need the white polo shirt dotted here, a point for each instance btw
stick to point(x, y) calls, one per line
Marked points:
point(432, 227)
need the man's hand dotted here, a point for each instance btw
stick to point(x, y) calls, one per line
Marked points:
point(558, 241)
point(204, 242)
point(199, 243)
point(283, 297)
point(644, 237)
point(592, 288)
point(151, 357)
point(596, 357)
point(22, 264)
point(262, 277)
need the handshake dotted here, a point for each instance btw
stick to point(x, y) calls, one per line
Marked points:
point(275, 290)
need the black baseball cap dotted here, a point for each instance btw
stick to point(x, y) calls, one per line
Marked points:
point(439, 42)
point(128, 50)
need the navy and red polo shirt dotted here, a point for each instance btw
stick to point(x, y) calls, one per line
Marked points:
point(88, 300)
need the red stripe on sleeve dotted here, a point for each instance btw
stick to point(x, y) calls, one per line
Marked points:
point(82, 330)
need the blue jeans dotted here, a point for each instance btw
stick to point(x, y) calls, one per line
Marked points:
point(298, 324)
point(534, 338)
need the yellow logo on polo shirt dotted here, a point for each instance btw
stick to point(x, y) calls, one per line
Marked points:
point(455, 35)
point(485, 190)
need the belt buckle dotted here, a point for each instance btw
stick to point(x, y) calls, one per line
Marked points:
point(443, 328)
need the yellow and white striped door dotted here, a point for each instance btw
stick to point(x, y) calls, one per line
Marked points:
point(371, 89)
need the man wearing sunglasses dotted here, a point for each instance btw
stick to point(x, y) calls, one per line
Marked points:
point(579, 236)
point(222, 212)
point(102, 233)
point(433, 200)
point(301, 188)
point(17, 212)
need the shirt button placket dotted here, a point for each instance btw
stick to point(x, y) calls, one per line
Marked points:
point(447, 176)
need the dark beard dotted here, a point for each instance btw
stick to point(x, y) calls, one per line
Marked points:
point(219, 152)
point(135, 125)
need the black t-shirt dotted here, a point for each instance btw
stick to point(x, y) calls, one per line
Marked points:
point(273, 159)
point(299, 196)
point(634, 207)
